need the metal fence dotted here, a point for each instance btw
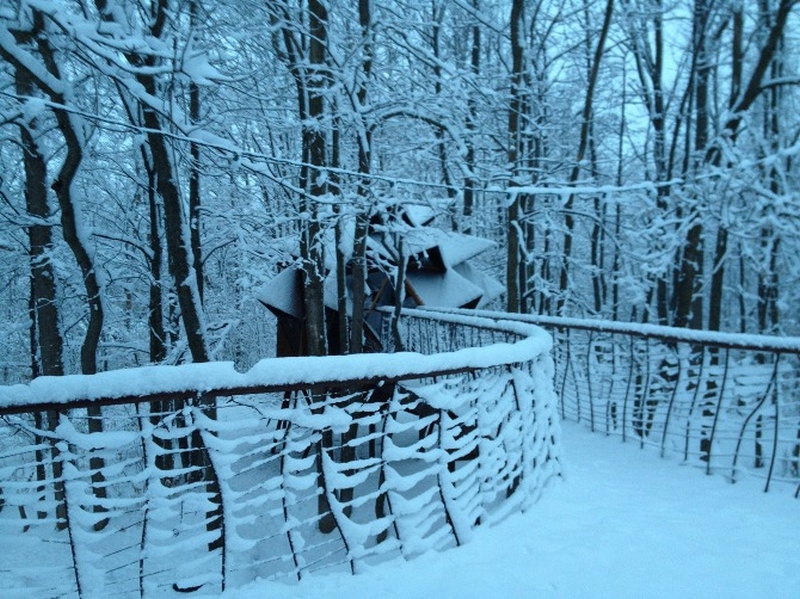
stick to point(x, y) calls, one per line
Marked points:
point(729, 403)
point(205, 478)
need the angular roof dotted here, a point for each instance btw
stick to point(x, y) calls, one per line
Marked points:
point(454, 247)
point(438, 272)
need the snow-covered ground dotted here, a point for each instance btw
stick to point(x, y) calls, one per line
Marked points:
point(622, 523)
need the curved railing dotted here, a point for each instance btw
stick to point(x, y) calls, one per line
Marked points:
point(729, 403)
point(203, 477)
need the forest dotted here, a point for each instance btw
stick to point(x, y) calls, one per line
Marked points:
point(161, 160)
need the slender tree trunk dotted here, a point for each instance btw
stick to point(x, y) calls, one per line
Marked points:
point(342, 346)
point(688, 301)
point(439, 132)
point(650, 68)
point(46, 339)
point(768, 314)
point(470, 181)
point(157, 333)
point(72, 228)
point(662, 168)
point(72, 231)
point(364, 143)
point(180, 251)
point(718, 275)
point(180, 260)
point(583, 145)
point(314, 141)
point(513, 284)
point(194, 171)
point(597, 235)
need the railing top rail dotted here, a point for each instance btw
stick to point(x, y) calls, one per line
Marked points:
point(480, 319)
point(746, 341)
point(212, 379)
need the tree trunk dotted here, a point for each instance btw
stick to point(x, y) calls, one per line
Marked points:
point(314, 143)
point(358, 262)
point(514, 290)
point(470, 181)
point(46, 339)
point(72, 231)
point(180, 261)
point(768, 314)
point(583, 145)
point(49, 361)
point(194, 172)
point(436, 19)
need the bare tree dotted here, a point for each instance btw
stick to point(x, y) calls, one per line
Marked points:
point(514, 282)
point(583, 145)
point(45, 331)
point(70, 214)
point(305, 55)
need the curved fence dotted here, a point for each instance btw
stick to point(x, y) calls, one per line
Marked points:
point(200, 477)
point(729, 403)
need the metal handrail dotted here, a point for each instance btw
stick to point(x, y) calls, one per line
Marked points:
point(727, 402)
point(211, 477)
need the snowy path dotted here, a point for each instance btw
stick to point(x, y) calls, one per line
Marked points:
point(623, 523)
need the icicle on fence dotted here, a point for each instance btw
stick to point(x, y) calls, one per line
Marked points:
point(728, 403)
point(310, 465)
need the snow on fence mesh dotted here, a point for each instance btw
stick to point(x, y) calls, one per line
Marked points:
point(204, 478)
point(729, 403)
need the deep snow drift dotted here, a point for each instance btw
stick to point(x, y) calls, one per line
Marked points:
point(622, 523)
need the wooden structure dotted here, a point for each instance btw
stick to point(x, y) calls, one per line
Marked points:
point(438, 273)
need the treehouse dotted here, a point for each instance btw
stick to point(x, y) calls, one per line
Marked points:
point(437, 273)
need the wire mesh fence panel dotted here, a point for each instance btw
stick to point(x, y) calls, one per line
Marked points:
point(725, 402)
point(223, 482)
point(728, 410)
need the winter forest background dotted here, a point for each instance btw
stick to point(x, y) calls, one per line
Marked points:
point(160, 160)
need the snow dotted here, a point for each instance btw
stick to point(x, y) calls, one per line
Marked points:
point(784, 344)
point(54, 85)
point(281, 292)
point(590, 188)
point(444, 289)
point(197, 67)
point(623, 523)
point(276, 373)
point(492, 288)
point(455, 247)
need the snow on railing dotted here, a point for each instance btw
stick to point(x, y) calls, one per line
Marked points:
point(205, 478)
point(729, 403)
